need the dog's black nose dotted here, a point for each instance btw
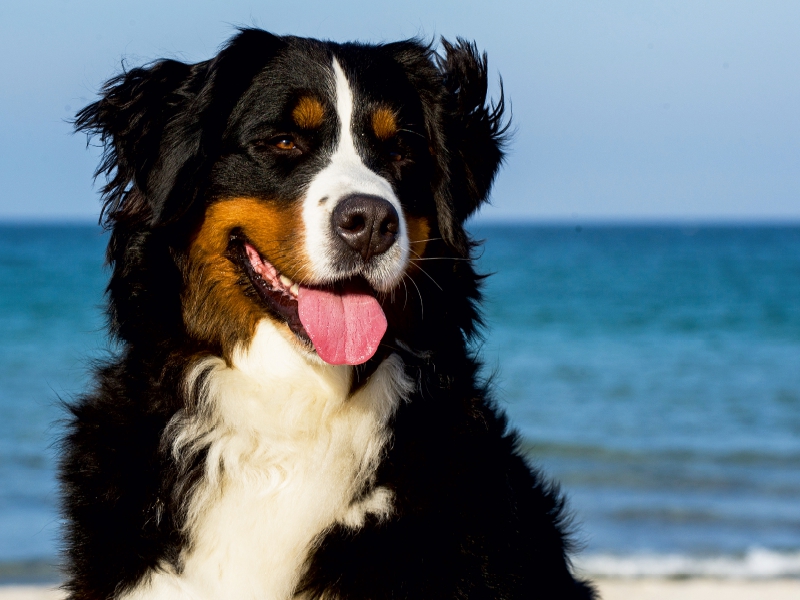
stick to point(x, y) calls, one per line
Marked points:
point(368, 224)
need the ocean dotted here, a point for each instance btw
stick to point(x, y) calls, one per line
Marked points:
point(654, 371)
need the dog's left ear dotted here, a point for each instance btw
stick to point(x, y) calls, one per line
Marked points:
point(475, 134)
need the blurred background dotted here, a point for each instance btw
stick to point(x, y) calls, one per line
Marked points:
point(643, 319)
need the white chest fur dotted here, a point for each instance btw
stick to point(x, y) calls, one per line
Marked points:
point(287, 451)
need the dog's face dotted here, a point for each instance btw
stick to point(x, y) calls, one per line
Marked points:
point(320, 200)
point(310, 180)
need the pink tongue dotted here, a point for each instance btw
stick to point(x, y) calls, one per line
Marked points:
point(345, 328)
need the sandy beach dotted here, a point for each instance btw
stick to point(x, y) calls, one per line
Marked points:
point(698, 589)
point(610, 589)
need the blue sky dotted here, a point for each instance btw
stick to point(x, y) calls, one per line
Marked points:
point(623, 110)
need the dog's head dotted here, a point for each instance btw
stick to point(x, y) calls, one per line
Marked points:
point(296, 180)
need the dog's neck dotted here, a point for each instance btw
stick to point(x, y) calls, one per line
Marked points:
point(288, 454)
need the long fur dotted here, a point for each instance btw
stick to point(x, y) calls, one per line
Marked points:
point(216, 455)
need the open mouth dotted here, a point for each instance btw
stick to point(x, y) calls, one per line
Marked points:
point(343, 322)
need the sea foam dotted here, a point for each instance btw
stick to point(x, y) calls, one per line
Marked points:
point(756, 563)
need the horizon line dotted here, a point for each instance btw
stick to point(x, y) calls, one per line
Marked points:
point(503, 220)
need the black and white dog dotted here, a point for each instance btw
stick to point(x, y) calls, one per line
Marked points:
point(293, 410)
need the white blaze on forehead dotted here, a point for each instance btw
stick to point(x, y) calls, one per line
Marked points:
point(344, 175)
point(344, 110)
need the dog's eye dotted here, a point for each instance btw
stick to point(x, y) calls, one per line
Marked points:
point(283, 142)
point(395, 156)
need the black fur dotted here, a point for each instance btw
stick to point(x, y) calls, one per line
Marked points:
point(472, 519)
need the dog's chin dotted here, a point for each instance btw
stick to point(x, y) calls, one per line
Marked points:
point(315, 329)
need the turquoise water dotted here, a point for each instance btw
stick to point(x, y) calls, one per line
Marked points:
point(51, 286)
point(655, 371)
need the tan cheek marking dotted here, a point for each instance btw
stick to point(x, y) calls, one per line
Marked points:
point(419, 232)
point(309, 113)
point(218, 303)
point(384, 123)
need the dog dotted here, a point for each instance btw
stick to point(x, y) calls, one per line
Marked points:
point(293, 408)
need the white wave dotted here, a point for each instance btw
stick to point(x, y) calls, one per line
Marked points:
point(756, 563)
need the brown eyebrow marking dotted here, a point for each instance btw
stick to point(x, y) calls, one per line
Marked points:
point(309, 113)
point(384, 123)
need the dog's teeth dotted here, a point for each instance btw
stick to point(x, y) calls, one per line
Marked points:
point(295, 289)
point(286, 281)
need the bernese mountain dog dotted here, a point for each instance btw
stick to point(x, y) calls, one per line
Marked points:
point(293, 407)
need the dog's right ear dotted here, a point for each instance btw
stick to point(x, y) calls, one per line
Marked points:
point(160, 124)
point(129, 120)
